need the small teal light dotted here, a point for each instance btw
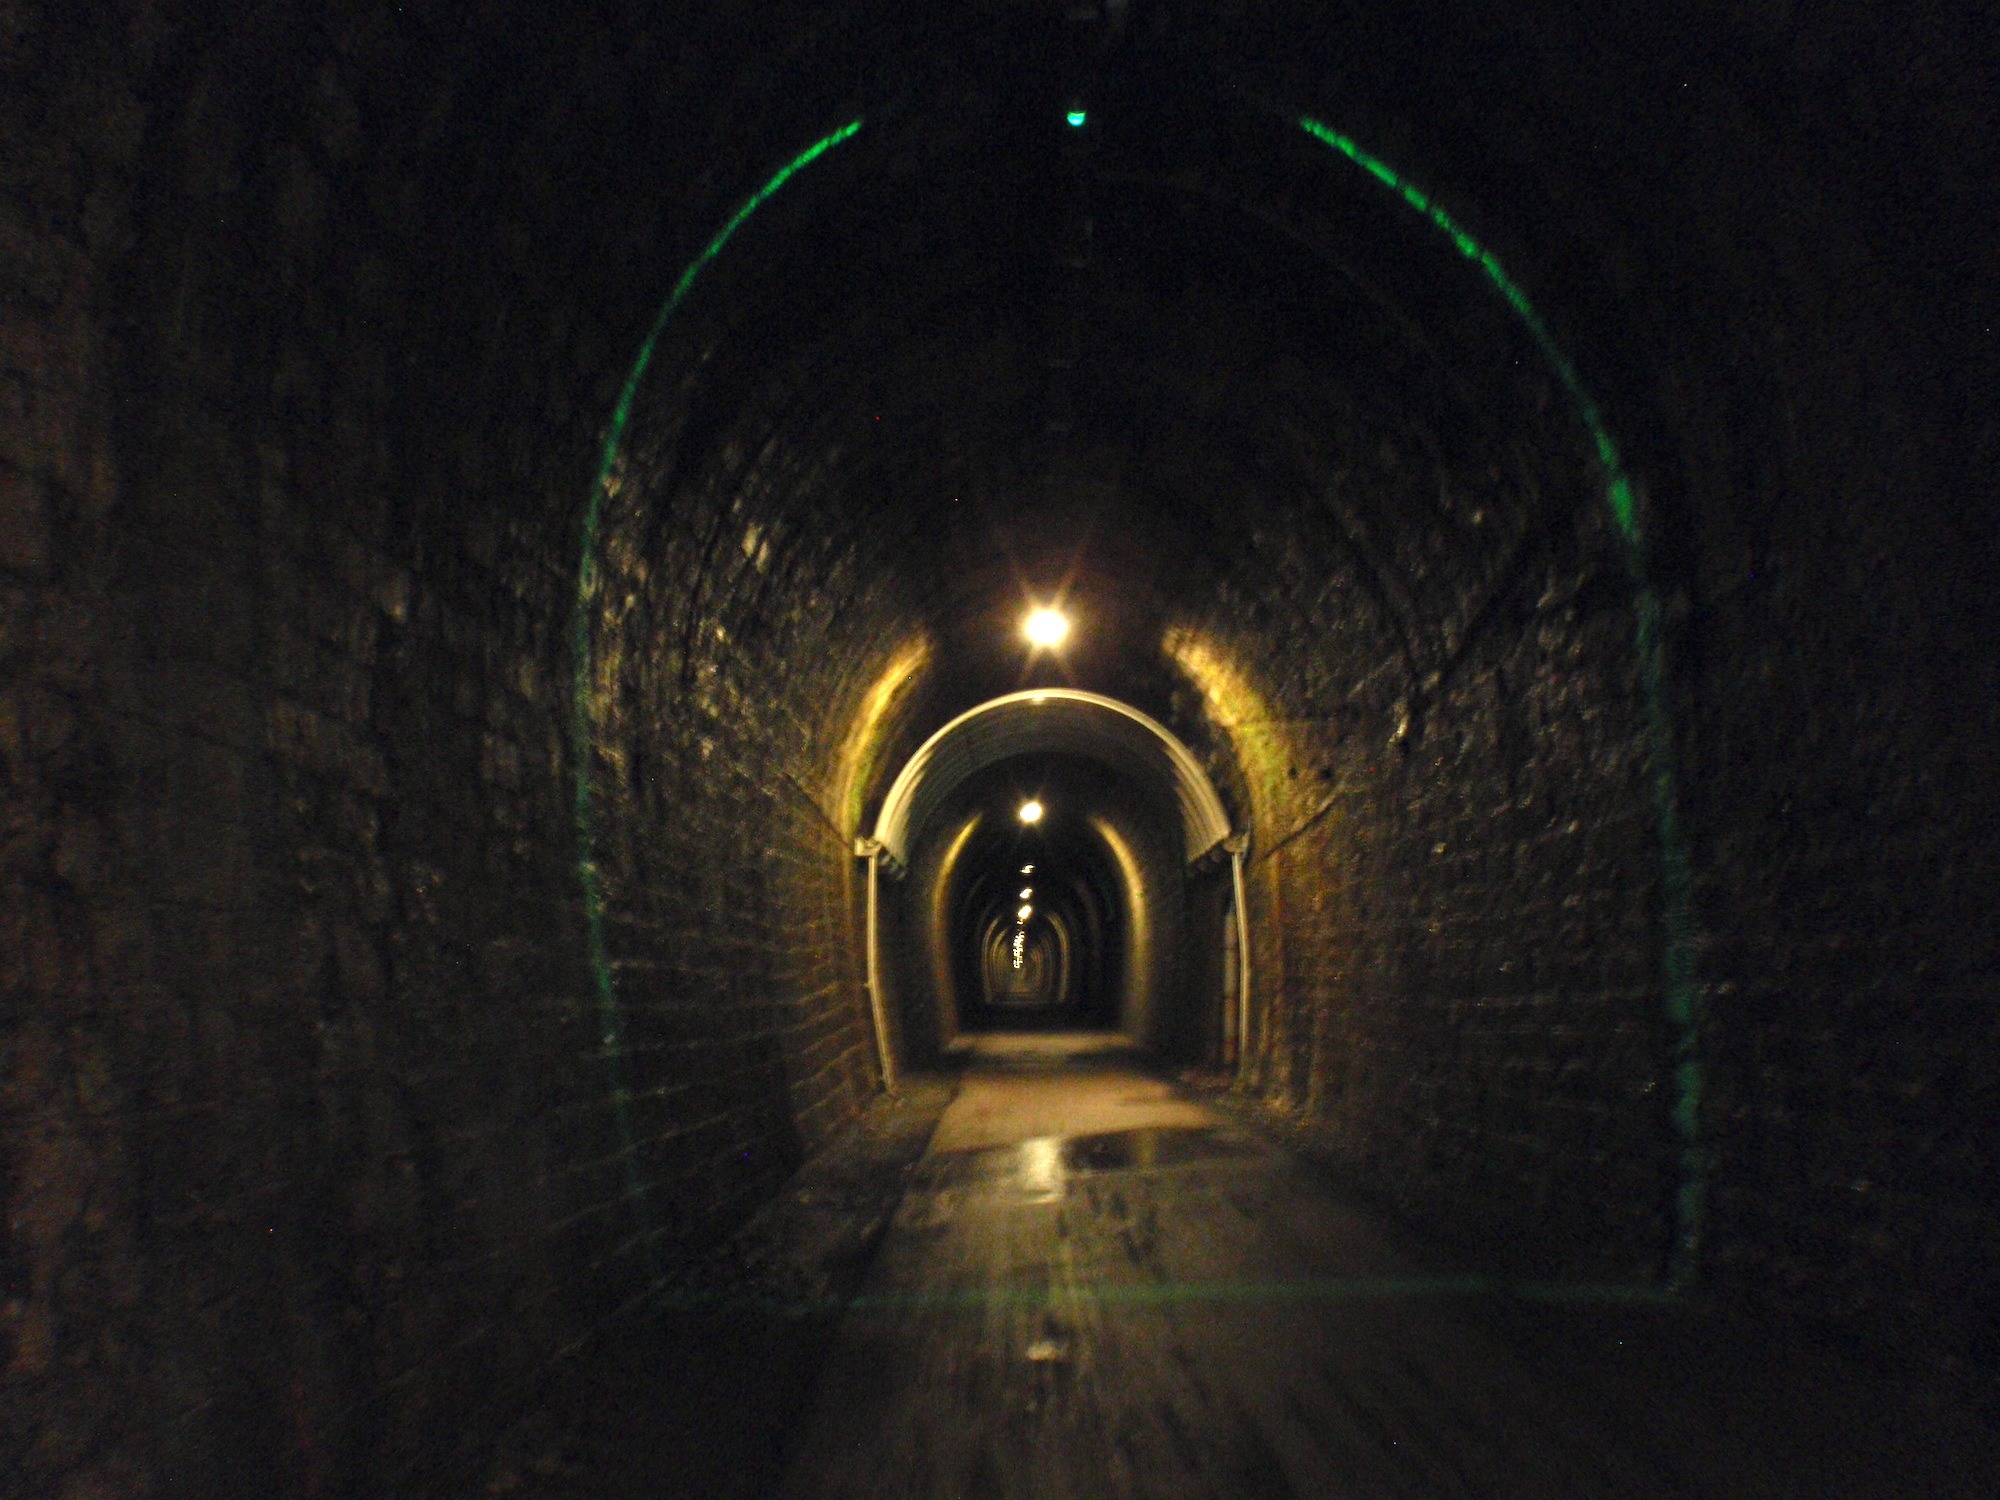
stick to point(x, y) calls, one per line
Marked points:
point(1076, 119)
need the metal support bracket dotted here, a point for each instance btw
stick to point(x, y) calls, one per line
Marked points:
point(873, 851)
point(1238, 845)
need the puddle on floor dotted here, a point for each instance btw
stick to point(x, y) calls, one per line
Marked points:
point(1040, 1166)
point(1152, 1146)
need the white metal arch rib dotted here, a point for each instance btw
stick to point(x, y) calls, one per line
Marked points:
point(1044, 720)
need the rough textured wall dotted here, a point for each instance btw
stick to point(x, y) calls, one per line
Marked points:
point(72, 1269)
point(311, 1152)
point(1840, 686)
point(749, 624)
point(1453, 873)
point(1769, 290)
point(1807, 392)
point(312, 316)
point(1463, 944)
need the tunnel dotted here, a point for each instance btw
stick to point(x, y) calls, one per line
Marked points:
point(1074, 806)
point(1034, 747)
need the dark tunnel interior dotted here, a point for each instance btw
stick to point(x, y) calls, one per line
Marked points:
point(1037, 915)
point(540, 874)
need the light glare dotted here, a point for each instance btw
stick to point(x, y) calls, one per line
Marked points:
point(1046, 628)
point(1031, 812)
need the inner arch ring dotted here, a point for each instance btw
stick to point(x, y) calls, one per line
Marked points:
point(1039, 720)
point(1681, 992)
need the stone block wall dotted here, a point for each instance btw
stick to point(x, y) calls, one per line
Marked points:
point(312, 313)
point(1768, 297)
point(313, 1157)
point(1454, 881)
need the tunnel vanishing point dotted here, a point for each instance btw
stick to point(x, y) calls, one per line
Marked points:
point(527, 961)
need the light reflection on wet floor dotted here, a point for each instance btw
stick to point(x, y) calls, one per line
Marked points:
point(1095, 1287)
point(1041, 1164)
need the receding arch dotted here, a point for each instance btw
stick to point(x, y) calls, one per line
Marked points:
point(1044, 720)
point(1682, 993)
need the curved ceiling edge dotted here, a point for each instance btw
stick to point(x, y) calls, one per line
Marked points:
point(1049, 720)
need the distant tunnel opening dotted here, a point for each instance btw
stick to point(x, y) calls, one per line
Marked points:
point(1041, 923)
point(1094, 896)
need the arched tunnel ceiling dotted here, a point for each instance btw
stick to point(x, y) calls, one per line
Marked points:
point(1040, 721)
point(429, 1018)
point(1240, 387)
point(1057, 348)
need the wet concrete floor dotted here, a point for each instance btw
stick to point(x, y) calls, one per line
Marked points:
point(1096, 1287)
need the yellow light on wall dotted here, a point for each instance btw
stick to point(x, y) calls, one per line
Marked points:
point(1234, 705)
point(1031, 811)
point(873, 727)
point(1045, 628)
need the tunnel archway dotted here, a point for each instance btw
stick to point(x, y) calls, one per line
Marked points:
point(1603, 471)
point(427, 938)
point(1117, 851)
point(1062, 721)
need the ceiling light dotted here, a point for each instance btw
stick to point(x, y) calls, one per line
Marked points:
point(1045, 628)
point(1031, 811)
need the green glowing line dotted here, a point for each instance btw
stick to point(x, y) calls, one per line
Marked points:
point(611, 1026)
point(1683, 999)
point(1682, 996)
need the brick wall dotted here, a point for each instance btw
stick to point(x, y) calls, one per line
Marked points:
point(312, 318)
point(313, 1157)
point(1768, 295)
point(1454, 876)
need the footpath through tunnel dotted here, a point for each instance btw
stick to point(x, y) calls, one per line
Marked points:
point(1070, 748)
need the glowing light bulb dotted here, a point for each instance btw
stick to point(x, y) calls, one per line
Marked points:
point(1027, 891)
point(1045, 628)
point(1031, 812)
point(1025, 912)
point(1076, 117)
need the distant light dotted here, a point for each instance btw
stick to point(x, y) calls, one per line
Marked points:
point(1027, 869)
point(1076, 118)
point(1046, 628)
point(1025, 912)
point(1031, 812)
point(1027, 891)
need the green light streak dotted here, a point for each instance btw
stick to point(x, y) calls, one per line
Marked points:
point(611, 1026)
point(1682, 996)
